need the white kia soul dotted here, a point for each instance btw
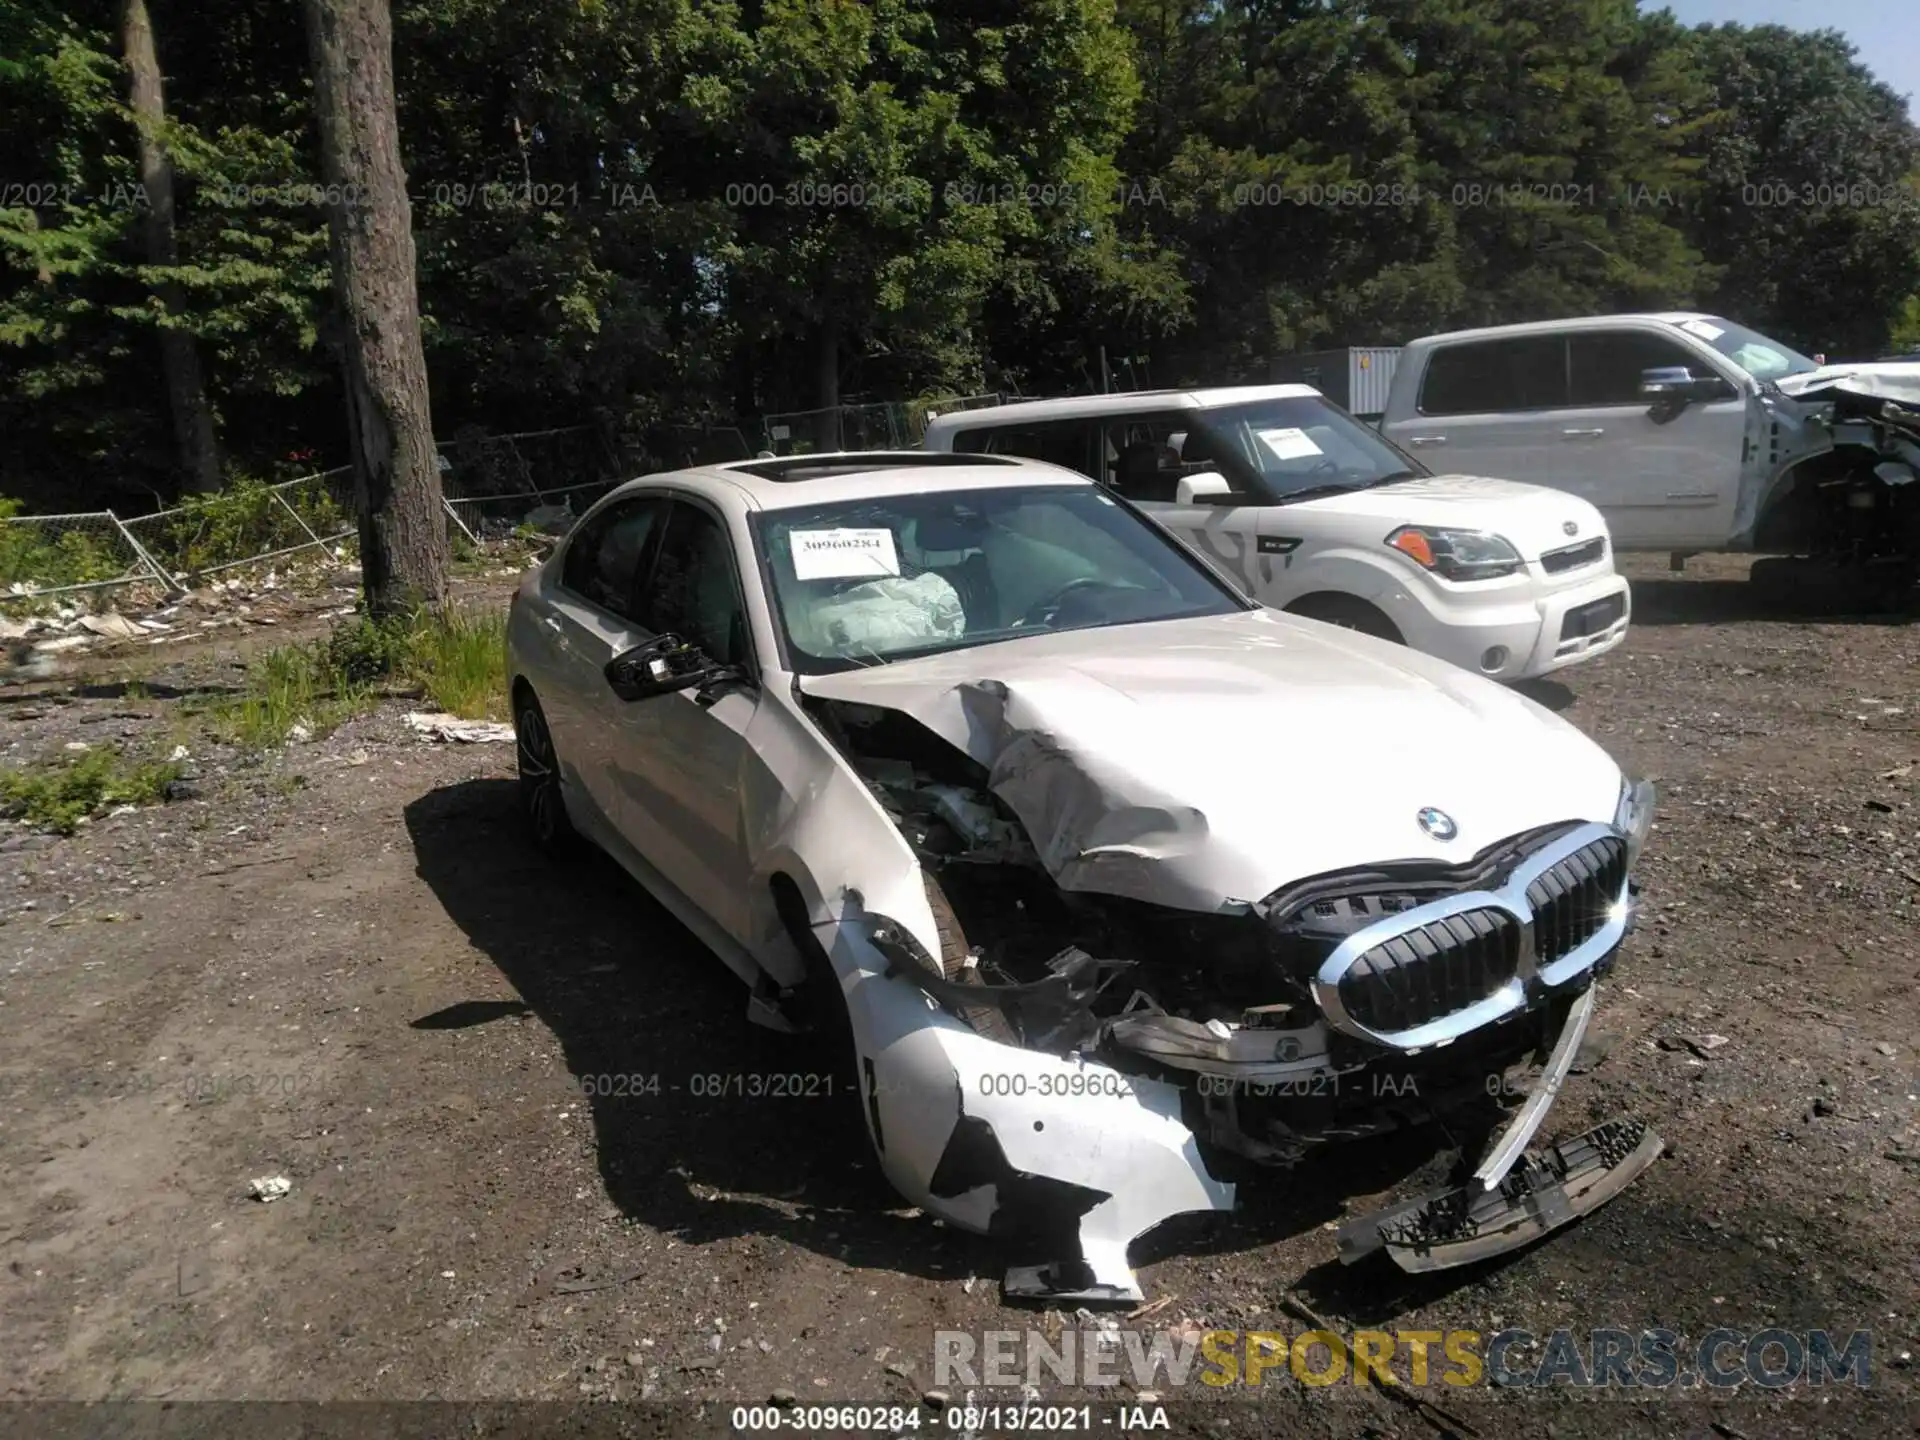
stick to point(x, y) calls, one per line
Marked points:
point(1315, 513)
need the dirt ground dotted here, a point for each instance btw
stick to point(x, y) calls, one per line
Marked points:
point(343, 965)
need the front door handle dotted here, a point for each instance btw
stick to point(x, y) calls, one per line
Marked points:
point(1417, 440)
point(1583, 434)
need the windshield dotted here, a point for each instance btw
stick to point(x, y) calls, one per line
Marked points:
point(865, 581)
point(1760, 357)
point(1296, 446)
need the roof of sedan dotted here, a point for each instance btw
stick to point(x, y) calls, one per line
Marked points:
point(792, 480)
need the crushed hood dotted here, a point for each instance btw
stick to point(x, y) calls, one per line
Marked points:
point(1898, 381)
point(1532, 517)
point(1204, 763)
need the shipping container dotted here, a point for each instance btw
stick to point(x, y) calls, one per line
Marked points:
point(1356, 378)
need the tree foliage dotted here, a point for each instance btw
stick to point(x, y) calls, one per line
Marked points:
point(631, 210)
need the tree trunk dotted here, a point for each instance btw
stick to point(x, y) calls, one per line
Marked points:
point(396, 476)
point(196, 445)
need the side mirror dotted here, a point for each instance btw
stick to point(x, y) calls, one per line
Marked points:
point(1205, 488)
point(1674, 386)
point(663, 665)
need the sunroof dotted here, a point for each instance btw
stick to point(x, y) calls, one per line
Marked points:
point(824, 467)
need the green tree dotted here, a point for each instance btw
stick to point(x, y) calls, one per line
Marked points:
point(1809, 197)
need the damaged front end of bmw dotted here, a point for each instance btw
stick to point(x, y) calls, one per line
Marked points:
point(1084, 1063)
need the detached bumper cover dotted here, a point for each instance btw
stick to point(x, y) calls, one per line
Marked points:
point(1001, 1140)
point(1545, 1191)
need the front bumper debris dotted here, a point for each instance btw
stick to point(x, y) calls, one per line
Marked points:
point(1544, 1191)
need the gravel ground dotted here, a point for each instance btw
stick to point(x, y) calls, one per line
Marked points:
point(341, 964)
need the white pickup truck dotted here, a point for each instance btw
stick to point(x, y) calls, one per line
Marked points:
point(1689, 433)
point(1310, 512)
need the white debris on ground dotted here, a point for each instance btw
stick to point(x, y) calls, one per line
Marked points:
point(452, 727)
point(269, 1188)
point(32, 641)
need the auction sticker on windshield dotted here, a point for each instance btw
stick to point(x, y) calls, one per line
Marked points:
point(843, 554)
point(1292, 444)
point(1706, 332)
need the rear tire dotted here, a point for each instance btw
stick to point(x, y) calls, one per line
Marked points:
point(541, 800)
point(1349, 613)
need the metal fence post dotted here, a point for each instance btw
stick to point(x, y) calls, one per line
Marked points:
point(454, 515)
point(296, 514)
point(167, 582)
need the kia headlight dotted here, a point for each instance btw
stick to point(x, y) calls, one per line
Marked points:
point(1457, 554)
point(1633, 817)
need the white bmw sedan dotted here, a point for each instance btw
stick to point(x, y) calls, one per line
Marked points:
point(1103, 882)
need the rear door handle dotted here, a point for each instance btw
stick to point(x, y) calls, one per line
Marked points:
point(1583, 434)
point(1426, 440)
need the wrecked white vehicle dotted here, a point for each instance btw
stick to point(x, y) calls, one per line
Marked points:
point(1689, 432)
point(1115, 884)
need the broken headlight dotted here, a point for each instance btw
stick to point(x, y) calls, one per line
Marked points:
point(1457, 554)
point(1633, 816)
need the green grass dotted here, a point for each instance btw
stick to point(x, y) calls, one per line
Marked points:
point(457, 661)
point(287, 686)
point(59, 796)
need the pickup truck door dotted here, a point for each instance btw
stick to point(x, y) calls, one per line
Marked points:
point(1664, 481)
point(1486, 407)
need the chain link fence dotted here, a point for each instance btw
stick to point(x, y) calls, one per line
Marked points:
point(50, 556)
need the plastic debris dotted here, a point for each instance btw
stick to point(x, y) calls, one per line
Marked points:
point(110, 623)
point(269, 1188)
point(452, 727)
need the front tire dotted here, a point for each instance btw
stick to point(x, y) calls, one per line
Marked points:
point(541, 800)
point(1349, 612)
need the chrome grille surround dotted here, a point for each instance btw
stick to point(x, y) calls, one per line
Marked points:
point(1595, 852)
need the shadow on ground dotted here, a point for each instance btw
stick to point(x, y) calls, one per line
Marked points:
point(1779, 590)
point(654, 1031)
point(687, 1148)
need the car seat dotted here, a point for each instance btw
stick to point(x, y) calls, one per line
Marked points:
point(952, 549)
point(1138, 474)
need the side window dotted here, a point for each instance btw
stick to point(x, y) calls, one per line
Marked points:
point(1059, 442)
point(1606, 364)
point(1486, 377)
point(693, 591)
point(1143, 456)
point(603, 557)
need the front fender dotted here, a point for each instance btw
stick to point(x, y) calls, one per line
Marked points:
point(828, 836)
point(1378, 580)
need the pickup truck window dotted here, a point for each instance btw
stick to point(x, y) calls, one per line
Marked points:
point(1605, 365)
point(1485, 377)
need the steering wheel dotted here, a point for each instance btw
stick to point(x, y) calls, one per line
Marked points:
point(1328, 466)
point(1043, 610)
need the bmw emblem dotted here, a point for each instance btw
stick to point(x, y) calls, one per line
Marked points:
point(1437, 823)
point(1570, 527)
